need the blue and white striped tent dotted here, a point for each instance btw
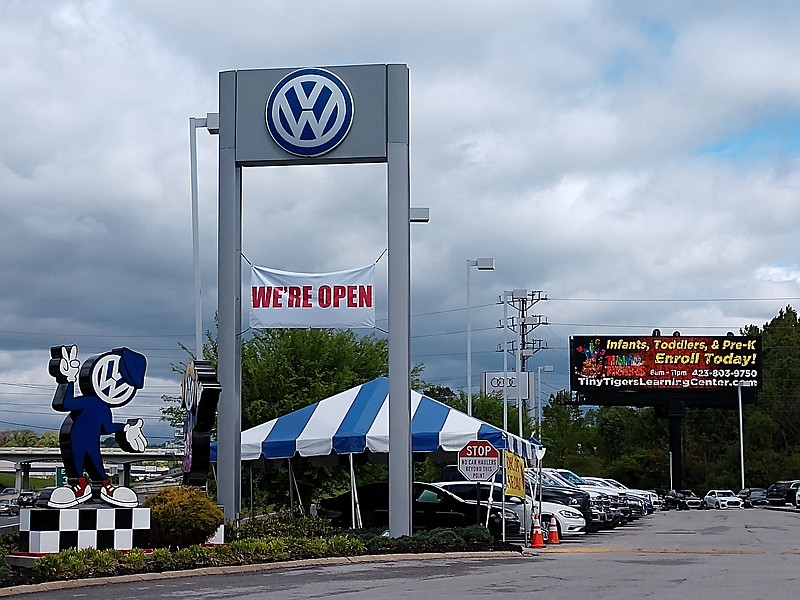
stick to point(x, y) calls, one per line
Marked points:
point(357, 420)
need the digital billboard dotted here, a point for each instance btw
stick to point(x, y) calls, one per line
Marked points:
point(602, 364)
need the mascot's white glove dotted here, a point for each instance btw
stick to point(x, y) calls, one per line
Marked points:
point(69, 365)
point(134, 435)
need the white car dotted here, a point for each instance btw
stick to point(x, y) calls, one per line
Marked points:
point(722, 499)
point(568, 520)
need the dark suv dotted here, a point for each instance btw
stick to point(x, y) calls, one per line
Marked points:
point(781, 492)
point(27, 498)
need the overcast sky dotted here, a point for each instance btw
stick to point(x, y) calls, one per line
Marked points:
point(637, 161)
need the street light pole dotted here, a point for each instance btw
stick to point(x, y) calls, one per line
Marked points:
point(482, 264)
point(211, 122)
point(547, 369)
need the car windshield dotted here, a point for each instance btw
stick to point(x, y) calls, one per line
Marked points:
point(725, 493)
point(572, 477)
point(687, 492)
point(556, 476)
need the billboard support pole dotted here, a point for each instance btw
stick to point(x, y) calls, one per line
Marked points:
point(675, 418)
point(741, 432)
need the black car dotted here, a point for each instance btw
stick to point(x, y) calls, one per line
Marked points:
point(432, 507)
point(782, 492)
point(753, 497)
point(682, 500)
point(27, 498)
point(43, 497)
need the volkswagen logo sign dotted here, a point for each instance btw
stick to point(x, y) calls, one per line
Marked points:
point(309, 112)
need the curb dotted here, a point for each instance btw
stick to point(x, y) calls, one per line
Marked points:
point(33, 588)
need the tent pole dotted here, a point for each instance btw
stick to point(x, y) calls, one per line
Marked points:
point(291, 488)
point(299, 498)
point(252, 506)
point(355, 509)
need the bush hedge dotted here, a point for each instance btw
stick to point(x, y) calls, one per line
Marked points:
point(182, 516)
point(274, 539)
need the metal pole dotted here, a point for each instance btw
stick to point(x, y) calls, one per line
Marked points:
point(399, 238)
point(194, 123)
point(505, 361)
point(229, 304)
point(518, 366)
point(469, 343)
point(539, 403)
point(741, 434)
point(671, 485)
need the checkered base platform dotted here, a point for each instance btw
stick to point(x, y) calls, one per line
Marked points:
point(47, 530)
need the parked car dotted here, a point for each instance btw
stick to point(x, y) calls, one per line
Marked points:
point(551, 492)
point(753, 497)
point(783, 492)
point(432, 507)
point(569, 521)
point(8, 507)
point(9, 494)
point(639, 501)
point(722, 499)
point(681, 500)
point(617, 499)
point(596, 509)
point(44, 496)
point(27, 498)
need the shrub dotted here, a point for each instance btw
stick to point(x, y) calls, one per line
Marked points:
point(134, 561)
point(182, 516)
point(284, 524)
point(160, 560)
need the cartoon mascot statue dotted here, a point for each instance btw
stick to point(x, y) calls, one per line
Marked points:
point(106, 381)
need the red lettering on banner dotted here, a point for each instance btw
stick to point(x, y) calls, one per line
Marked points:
point(293, 301)
point(351, 296)
point(324, 296)
point(299, 297)
point(266, 296)
point(365, 296)
point(339, 292)
point(260, 296)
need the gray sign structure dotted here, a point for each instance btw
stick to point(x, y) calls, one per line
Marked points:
point(310, 116)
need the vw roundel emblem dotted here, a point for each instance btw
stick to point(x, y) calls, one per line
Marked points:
point(309, 112)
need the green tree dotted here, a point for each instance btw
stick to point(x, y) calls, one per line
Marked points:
point(284, 370)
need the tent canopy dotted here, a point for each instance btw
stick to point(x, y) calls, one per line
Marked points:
point(357, 420)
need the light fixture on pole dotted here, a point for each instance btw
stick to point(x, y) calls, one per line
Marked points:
point(211, 122)
point(482, 264)
point(539, 369)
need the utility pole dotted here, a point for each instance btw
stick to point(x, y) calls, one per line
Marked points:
point(522, 348)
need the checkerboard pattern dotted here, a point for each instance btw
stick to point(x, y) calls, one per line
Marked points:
point(47, 530)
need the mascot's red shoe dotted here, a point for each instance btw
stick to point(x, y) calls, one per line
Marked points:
point(121, 496)
point(67, 497)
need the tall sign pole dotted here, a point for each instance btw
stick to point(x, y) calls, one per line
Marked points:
point(399, 303)
point(309, 116)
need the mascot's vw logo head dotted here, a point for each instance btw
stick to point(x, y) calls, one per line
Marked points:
point(309, 112)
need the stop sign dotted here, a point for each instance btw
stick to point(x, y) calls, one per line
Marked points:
point(478, 460)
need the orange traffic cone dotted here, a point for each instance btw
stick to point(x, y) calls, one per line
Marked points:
point(537, 539)
point(552, 532)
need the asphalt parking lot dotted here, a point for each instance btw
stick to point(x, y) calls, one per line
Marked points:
point(709, 554)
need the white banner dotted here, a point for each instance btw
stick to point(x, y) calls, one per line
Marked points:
point(344, 299)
